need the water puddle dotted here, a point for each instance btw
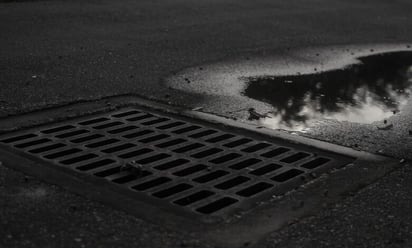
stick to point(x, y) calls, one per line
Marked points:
point(372, 90)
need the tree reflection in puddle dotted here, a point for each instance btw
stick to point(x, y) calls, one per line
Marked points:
point(372, 90)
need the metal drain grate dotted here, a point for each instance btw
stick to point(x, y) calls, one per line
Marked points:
point(186, 164)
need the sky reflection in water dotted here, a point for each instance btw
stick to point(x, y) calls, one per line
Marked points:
point(370, 91)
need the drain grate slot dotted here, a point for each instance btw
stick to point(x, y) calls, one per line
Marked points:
point(32, 143)
point(102, 143)
point(232, 182)
point(147, 123)
point(217, 205)
point(133, 112)
point(154, 138)
point(108, 172)
point(93, 121)
point(206, 153)
point(122, 129)
point(71, 134)
point(287, 175)
point(135, 153)
point(315, 163)
point(245, 163)
point(118, 148)
point(137, 134)
point(79, 159)
point(265, 169)
point(172, 164)
point(211, 176)
point(171, 143)
point(295, 157)
point(225, 158)
point(275, 152)
point(138, 118)
point(47, 148)
point(173, 190)
point(171, 125)
point(188, 148)
point(202, 134)
point(256, 147)
point(190, 199)
point(254, 189)
point(190, 170)
point(62, 153)
point(238, 142)
point(129, 178)
point(96, 164)
point(87, 138)
point(107, 125)
point(151, 184)
point(181, 164)
point(186, 129)
point(220, 138)
point(154, 158)
point(57, 129)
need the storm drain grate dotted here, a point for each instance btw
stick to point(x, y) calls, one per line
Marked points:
point(186, 164)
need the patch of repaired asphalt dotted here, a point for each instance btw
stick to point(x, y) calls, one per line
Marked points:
point(36, 214)
point(223, 82)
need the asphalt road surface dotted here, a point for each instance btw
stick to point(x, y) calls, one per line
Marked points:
point(57, 52)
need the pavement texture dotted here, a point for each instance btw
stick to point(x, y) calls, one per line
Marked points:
point(56, 52)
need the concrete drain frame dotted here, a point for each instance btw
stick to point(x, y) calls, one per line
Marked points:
point(198, 173)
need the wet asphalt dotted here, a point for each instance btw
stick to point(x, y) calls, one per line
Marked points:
point(55, 52)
